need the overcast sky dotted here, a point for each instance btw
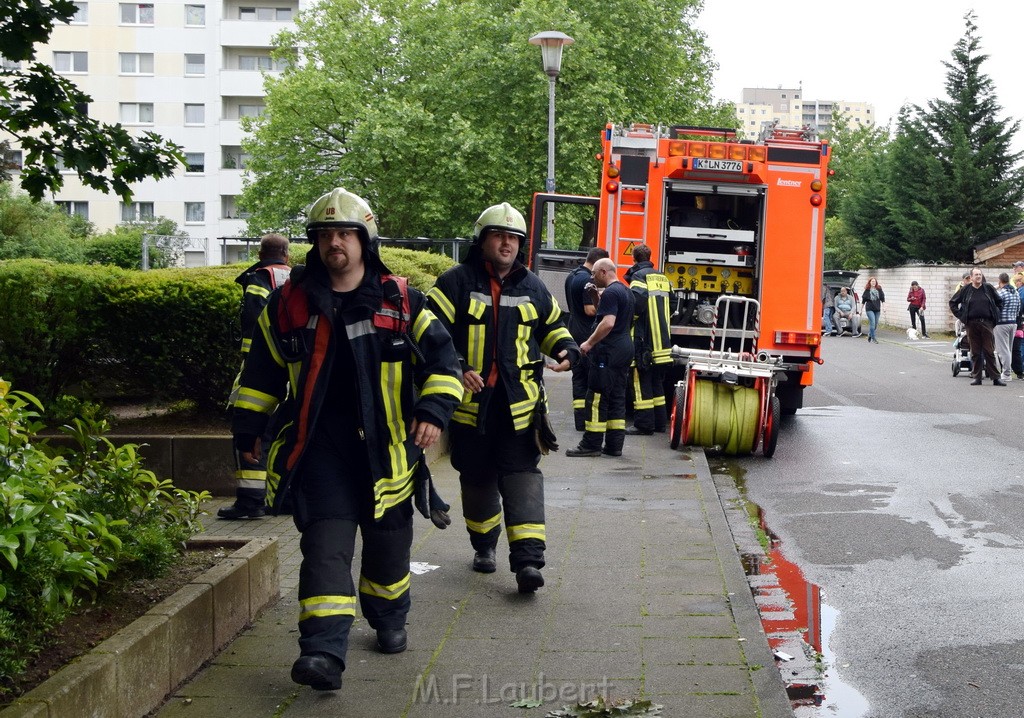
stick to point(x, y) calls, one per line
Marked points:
point(885, 52)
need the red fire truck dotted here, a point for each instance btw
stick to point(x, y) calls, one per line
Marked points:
point(737, 227)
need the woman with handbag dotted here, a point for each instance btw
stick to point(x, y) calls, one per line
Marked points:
point(916, 307)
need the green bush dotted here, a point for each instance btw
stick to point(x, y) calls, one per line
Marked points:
point(38, 229)
point(122, 246)
point(67, 522)
point(100, 332)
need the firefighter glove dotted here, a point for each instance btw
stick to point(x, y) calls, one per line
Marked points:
point(427, 500)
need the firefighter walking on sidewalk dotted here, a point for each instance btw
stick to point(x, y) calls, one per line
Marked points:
point(368, 379)
point(257, 282)
point(502, 319)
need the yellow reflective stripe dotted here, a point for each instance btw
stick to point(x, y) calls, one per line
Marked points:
point(485, 526)
point(422, 322)
point(320, 606)
point(593, 423)
point(250, 474)
point(478, 304)
point(523, 334)
point(659, 399)
point(252, 484)
point(525, 531)
point(246, 344)
point(257, 290)
point(528, 312)
point(475, 346)
point(442, 384)
point(255, 400)
point(446, 307)
point(555, 313)
point(263, 322)
point(548, 345)
point(579, 403)
point(638, 284)
point(465, 418)
point(614, 424)
point(390, 387)
point(391, 593)
point(390, 492)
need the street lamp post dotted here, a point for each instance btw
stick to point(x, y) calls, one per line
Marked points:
point(551, 43)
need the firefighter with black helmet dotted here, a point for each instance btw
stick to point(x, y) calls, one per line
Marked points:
point(503, 321)
point(367, 379)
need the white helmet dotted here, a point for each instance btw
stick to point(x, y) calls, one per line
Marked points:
point(503, 217)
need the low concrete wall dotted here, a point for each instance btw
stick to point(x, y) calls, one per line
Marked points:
point(938, 281)
point(133, 671)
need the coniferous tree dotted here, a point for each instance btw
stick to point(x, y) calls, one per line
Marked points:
point(954, 180)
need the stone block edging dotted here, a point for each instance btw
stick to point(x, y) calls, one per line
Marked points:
point(133, 671)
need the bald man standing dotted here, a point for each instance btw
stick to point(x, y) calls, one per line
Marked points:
point(610, 349)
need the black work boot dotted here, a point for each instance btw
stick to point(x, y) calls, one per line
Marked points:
point(392, 640)
point(319, 671)
point(235, 511)
point(529, 579)
point(484, 562)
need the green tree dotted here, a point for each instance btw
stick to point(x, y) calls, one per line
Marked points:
point(954, 180)
point(48, 115)
point(30, 229)
point(432, 110)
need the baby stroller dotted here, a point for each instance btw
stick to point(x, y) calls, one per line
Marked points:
point(961, 350)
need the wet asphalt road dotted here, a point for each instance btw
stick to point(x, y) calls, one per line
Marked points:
point(899, 490)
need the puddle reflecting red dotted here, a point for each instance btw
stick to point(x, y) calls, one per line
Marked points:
point(792, 613)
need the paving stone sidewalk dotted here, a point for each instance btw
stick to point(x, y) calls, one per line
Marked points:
point(645, 597)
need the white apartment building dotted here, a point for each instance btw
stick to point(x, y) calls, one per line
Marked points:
point(761, 105)
point(186, 70)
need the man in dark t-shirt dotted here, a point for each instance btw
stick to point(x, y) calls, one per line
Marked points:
point(610, 349)
point(581, 309)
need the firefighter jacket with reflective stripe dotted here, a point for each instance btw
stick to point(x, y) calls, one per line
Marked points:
point(257, 282)
point(291, 359)
point(653, 294)
point(526, 324)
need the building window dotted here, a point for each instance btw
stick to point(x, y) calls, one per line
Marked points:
point(136, 63)
point(265, 14)
point(12, 160)
point(136, 13)
point(71, 61)
point(253, 62)
point(81, 15)
point(195, 15)
point(195, 64)
point(8, 65)
point(80, 209)
point(234, 158)
point(195, 212)
point(195, 114)
point(137, 211)
point(137, 113)
point(250, 110)
point(195, 162)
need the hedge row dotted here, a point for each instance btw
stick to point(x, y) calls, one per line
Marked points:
point(103, 332)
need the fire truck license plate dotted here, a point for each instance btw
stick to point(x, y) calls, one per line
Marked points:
point(717, 165)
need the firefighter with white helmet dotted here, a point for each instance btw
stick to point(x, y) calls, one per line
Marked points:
point(503, 321)
point(367, 379)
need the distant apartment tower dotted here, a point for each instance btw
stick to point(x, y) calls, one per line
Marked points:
point(763, 105)
point(187, 71)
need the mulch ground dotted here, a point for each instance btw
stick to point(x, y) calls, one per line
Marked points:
point(120, 603)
